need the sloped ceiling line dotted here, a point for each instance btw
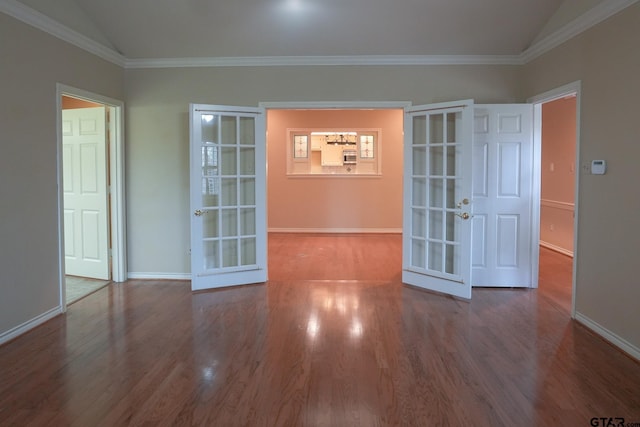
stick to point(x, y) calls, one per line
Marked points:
point(38, 20)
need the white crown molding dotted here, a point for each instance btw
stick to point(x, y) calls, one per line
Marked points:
point(287, 61)
point(579, 25)
point(43, 22)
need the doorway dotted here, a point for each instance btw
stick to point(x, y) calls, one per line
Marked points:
point(91, 192)
point(558, 140)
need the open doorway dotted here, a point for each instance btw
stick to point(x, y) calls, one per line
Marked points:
point(559, 115)
point(335, 222)
point(90, 178)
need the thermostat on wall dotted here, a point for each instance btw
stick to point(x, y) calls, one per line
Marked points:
point(598, 167)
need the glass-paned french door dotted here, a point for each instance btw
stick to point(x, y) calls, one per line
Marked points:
point(437, 197)
point(228, 196)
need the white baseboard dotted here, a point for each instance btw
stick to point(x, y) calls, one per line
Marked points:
point(30, 324)
point(337, 230)
point(556, 248)
point(159, 276)
point(614, 339)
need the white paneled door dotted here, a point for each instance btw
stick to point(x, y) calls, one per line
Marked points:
point(228, 196)
point(86, 218)
point(502, 195)
point(437, 207)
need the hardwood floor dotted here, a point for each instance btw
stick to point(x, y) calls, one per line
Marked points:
point(317, 347)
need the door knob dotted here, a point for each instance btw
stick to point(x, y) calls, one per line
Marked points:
point(198, 212)
point(463, 215)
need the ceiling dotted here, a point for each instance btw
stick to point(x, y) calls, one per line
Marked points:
point(143, 29)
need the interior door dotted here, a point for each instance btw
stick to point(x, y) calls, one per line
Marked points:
point(86, 216)
point(228, 196)
point(502, 194)
point(437, 197)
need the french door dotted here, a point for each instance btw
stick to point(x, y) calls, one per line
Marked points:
point(437, 197)
point(228, 196)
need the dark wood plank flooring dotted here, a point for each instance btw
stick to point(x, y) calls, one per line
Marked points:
point(334, 339)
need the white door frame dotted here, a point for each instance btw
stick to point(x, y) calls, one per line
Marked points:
point(537, 101)
point(116, 178)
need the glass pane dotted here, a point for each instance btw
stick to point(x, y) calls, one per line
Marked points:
point(247, 161)
point(229, 161)
point(248, 251)
point(436, 161)
point(435, 256)
point(419, 193)
point(247, 131)
point(419, 130)
point(419, 161)
point(435, 225)
point(209, 128)
point(210, 224)
point(229, 192)
point(366, 147)
point(452, 164)
point(452, 236)
point(229, 222)
point(229, 131)
point(211, 254)
point(451, 127)
point(247, 221)
point(436, 193)
point(436, 129)
point(419, 222)
point(417, 253)
point(209, 161)
point(451, 193)
point(210, 192)
point(450, 260)
point(247, 191)
point(229, 253)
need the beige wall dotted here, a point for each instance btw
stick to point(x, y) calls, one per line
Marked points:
point(606, 59)
point(316, 202)
point(558, 173)
point(32, 63)
point(158, 129)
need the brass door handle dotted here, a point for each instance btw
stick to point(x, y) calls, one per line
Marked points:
point(198, 212)
point(463, 215)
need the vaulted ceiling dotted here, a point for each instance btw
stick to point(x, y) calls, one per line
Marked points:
point(258, 28)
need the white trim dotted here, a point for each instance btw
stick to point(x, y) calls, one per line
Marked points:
point(556, 248)
point(579, 25)
point(30, 324)
point(337, 105)
point(337, 230)
point(537, 101)
point(609, 336)
point(158, 276)
point(565, 206)
point(42, 22)
point(289, 61)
